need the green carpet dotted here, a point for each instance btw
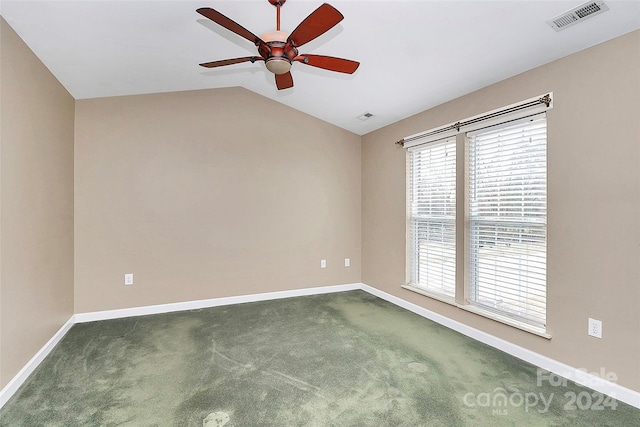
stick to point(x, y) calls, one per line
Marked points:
point(343, 359)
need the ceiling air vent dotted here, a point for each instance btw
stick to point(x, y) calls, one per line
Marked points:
point(577, 14)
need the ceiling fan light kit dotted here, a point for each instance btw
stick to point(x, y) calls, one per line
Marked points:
point(279, 49)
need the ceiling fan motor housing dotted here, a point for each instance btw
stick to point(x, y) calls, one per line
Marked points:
point(280, 53)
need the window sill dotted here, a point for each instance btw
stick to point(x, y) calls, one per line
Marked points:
point(484, 313)
point(432, 295)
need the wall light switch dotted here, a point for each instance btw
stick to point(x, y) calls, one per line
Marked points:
point(347, 262)
point(128, 279)
point(323, 263)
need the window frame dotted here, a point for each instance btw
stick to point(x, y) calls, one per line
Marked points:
point(460, 132)
point(520, 258)
point(413, 232)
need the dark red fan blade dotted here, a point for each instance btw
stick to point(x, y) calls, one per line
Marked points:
point(224, 62)
point(317, 23)
point(230, 25)
point(330, 63)
point(284, 81)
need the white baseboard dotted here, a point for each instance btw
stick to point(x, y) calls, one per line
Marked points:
point(23, 374)
point(579, 376)
point(207, 303)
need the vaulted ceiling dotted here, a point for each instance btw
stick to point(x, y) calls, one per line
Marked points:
point(414, 54)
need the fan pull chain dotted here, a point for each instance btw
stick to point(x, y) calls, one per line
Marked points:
point(278, 16)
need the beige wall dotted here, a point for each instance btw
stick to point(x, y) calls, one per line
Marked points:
point(36, 204)
point(208, 194)
point(593, 207)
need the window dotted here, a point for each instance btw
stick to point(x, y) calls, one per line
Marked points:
point(482, 248)
point(507, 220)
point(433, 217)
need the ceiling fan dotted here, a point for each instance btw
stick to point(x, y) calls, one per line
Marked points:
point(279, 49)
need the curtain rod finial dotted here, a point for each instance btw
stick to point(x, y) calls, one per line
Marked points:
point(545, 99)
point(400, 143)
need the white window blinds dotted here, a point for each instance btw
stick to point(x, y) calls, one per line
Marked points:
point(432, 228)
point(507, 219)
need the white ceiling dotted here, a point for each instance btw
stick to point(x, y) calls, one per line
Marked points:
point(414, 54)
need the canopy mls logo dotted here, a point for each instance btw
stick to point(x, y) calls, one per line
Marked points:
point(500, 399)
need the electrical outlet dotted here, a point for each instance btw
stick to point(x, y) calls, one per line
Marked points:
point(323, 263)
point(347, 262)
point(128, 279)
point(595, 328)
